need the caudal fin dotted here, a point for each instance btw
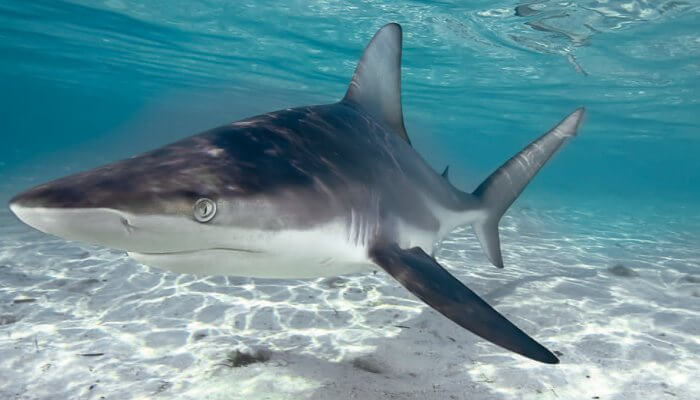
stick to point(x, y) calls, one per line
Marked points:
point(505, 184)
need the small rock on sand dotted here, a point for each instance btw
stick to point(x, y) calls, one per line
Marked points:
point(621, 270)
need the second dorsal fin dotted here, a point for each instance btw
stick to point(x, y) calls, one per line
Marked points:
point(376, 84)
point(446, 172)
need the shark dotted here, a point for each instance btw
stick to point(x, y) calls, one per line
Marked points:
point(306, 192)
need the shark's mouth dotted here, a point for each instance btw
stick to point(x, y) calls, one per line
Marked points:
point(194, 251)
point(208, 261)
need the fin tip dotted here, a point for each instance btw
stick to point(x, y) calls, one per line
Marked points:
point(392, 25)
point(569, 126)
point(549, 359)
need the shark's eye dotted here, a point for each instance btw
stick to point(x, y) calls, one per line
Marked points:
point(204, 210)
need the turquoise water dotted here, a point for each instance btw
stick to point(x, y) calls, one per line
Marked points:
point(107, 79)
point(84, 83)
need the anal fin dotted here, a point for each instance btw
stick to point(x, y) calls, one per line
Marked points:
point(425, 278)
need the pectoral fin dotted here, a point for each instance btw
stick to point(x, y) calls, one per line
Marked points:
point(425, 278)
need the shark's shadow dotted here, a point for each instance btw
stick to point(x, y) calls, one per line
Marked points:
point(422, 355)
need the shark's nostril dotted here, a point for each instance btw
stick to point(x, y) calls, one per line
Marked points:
point(125, 222)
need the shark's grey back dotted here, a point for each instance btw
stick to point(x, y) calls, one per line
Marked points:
point(337, 156)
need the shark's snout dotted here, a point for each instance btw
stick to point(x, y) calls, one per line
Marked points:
point(92, 225)
point(65, 209)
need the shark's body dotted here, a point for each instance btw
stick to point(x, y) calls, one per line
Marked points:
point(301, 193)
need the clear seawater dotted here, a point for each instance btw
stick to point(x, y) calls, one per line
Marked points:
point(602, 249)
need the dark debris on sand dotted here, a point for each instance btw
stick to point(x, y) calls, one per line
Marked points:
point(367, 365)
point(621, 270)
point(238, 358)
point(8, 319)
point(334, 282)
point(22, 301)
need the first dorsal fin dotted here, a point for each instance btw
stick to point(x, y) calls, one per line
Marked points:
point(376, 84)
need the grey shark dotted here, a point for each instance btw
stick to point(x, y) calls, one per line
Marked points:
point(302, 193)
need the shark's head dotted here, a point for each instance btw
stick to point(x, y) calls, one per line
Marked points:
point(200, 205)
point(173, 199)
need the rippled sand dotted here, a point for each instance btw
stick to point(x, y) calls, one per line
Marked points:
point(617, 296)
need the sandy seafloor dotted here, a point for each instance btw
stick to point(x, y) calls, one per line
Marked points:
point(615, 292)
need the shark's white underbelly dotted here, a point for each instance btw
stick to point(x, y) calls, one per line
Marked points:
point(327, 250)
point(254, 265)
point(330, 249)
point(339, 246)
